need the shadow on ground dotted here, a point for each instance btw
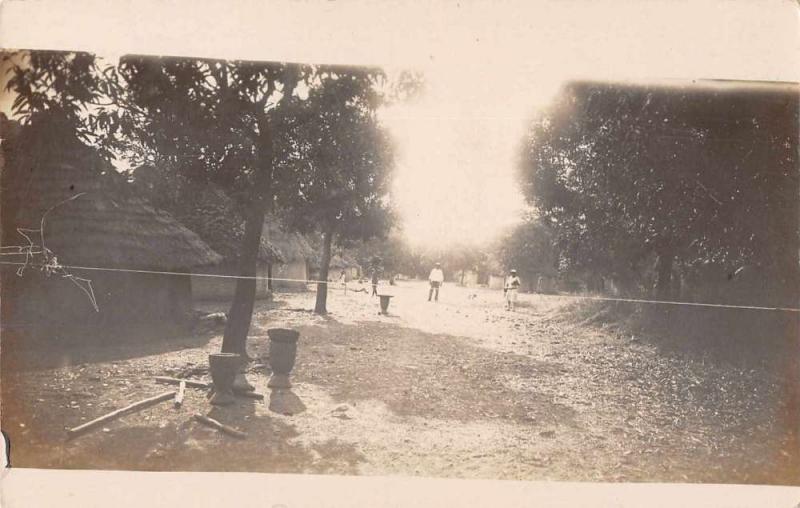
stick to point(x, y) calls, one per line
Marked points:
point(420, 374)
point(100, 346)
point(183, 444)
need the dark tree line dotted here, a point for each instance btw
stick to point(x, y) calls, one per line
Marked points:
point(668, 189)
point(529, 248)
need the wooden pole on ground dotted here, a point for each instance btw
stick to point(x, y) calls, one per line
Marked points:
point(210, 422)
point(180, 393)
point(175, 381)
point(136, 406)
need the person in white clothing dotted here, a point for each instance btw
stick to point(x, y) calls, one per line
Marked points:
point(510, 289)
point(436, 278)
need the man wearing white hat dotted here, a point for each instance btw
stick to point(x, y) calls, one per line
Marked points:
point(436, 278)
point(510, 289)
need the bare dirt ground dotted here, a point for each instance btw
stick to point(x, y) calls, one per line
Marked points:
point(459, 388)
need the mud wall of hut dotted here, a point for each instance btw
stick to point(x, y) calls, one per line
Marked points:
point(37, 306)
point(297, 273)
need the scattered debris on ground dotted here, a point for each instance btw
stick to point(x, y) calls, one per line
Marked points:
point(80, 429)
point(205, 420)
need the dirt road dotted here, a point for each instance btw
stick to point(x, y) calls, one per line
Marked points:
point(459, 388)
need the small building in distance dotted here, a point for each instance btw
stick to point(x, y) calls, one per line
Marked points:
point(342, 262)
point(496, 281)
point(467, 278)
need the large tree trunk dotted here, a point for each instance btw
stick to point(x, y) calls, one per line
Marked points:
point(664, 264)
point(322, 287)
point(241, 312)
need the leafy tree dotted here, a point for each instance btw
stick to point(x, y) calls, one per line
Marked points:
point(341, 164)
point(58, 100)
point(691, 177)
point(457, 259)
point(529, 248)
point(220, 122)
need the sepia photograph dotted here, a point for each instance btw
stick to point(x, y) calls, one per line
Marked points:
point(302, 267)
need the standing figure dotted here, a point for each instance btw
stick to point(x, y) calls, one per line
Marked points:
point(375, 282)
point(343, 281)
point(436, 278)
point(510, 289)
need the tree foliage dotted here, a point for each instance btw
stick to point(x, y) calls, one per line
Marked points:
point(390, 254)
point(60, 101)
point(529, 248)
point(341, 163)
point(689, 177)
point(212, 120)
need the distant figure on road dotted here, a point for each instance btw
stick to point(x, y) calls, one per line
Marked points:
point(343, 280)
point(436, 279)
point(375, 282)
point(510, 289)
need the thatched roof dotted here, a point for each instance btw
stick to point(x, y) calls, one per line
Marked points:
point(215, 220)
point(291, 246)
point(204, 208)
point(214, 215)
point(92, 221)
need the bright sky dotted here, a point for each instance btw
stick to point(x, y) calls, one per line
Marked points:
point(457, 145)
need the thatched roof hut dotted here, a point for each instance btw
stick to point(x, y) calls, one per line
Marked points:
point(290, 246)
point(88, 221)
point(215, 216)
point(205, 209)
point(76, 207)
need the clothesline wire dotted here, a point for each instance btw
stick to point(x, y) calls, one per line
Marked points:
point(344, 285)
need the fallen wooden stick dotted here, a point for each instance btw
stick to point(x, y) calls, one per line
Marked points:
point(180, 393)
point(136, 406)
point(176, 381)
point(205, 420)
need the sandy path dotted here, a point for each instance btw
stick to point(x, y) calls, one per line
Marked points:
point(459, 388)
